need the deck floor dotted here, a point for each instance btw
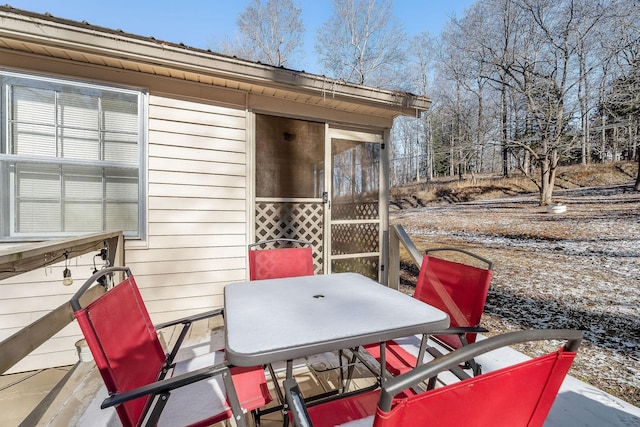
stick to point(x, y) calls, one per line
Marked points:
point(71, 396)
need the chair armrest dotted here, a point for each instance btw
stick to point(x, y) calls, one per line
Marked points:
point(167, 384)
point(464, 251)
point(460, 330)
point(163, 387)
point(186, 323)
point(190, 319)
point(296, 404)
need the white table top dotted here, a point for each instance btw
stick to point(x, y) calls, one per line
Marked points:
point(275, 320)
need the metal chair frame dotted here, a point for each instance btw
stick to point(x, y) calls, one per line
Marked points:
point(148, 354)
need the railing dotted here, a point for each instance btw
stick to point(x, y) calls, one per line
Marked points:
point(397, 236)
point(21, 259)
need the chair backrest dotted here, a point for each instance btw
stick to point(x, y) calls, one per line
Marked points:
point(519, 395)
point(458, 289)
point(124, 344)
point(279, 262)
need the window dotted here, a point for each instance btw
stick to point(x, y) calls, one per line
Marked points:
point(71, 158)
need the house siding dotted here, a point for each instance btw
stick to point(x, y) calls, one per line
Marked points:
point(195, 235)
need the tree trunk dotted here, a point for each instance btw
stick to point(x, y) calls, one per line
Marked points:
point(505, 153)
point(583, 96)
point(614, 149)
point(630, 133)
point(452, 163)
point(603, 140)
point(429, 153)
point(548, 177)
point(637, 186)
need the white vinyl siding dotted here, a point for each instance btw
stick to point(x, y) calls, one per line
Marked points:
point(70, 158)
point(197, 217)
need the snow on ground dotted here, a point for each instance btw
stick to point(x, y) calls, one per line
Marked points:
point(579, 269)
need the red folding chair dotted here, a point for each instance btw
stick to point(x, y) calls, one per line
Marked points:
point(456, 288)
point(144, 383)
point(280, 258)
point(277, 258)
point(518, 395)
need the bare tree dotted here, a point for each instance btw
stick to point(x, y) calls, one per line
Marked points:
point(412, 143)
point(271, 32)
point(532, 51)
point(476, 51)
point(538, 77)
point(461, 63)
point(620, 98)
point(622, 102)
point(363, 43)
point(424, 47)
point(549, 81)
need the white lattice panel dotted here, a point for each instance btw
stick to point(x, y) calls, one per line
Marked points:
point(292, 220)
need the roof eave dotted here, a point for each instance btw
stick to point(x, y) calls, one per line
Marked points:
point(44, 30)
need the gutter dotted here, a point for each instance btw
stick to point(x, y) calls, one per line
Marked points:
point(81, 37)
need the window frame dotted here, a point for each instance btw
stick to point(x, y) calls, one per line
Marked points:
point(8, 196)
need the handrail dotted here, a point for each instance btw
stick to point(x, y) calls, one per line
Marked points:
point(397, 236)
point(24, 258)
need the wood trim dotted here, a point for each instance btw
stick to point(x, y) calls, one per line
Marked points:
point(20, 259)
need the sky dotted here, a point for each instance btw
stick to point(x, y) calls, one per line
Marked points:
point(200, 23)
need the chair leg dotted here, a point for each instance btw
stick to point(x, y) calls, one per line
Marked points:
point(431, 384)
point(340, 355)
point(470, 364)
point(256, 417)
point(422, 350)
point(232, 397)
point(475, 367)
point(160, 401)
point(456, 370)
point(351, 366)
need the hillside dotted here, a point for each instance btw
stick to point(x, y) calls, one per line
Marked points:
point(452, 190)
point(579, 269)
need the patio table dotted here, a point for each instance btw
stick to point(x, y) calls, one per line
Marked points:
point(277, 320)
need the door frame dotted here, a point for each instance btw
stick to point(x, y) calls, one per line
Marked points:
point(376, 136)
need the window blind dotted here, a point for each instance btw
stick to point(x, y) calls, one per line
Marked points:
point(79, 148)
